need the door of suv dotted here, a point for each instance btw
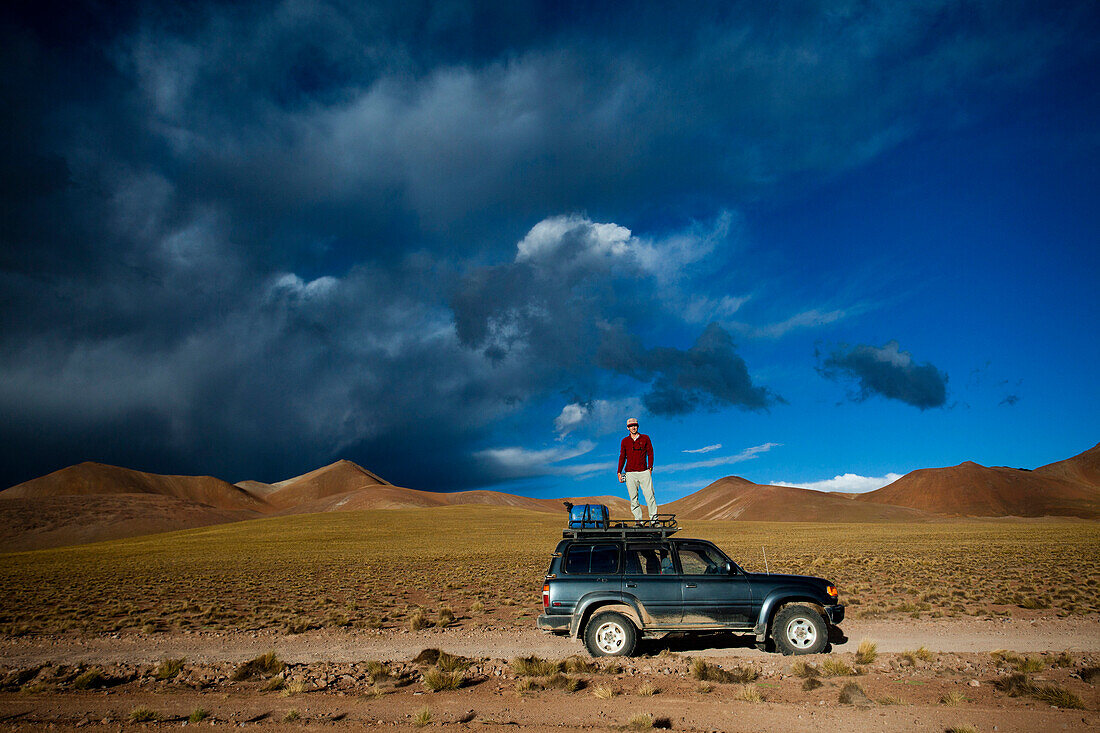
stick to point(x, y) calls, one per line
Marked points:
point(711, 596)
point(649, 575)
point(588, 567)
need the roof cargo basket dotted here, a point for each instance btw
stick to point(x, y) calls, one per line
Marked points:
point(659, 525)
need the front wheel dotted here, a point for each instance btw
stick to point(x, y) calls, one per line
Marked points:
point(799, 629)
point(610, 634)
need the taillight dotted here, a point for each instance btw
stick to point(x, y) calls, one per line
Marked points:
point(546, 596)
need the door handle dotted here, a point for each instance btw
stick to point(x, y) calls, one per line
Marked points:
point(631, 585)
point(602, 580)
point(691, 585)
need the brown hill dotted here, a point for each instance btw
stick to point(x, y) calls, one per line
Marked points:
point(397, 497)
point(55, 521)
point(737, 498)
point(1083, 468)
point(335, 478)
point(971, 490)
point(93, 479)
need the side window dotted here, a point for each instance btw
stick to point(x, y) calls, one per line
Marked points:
point(649, 559)
point(584, 559)
point(701, 560)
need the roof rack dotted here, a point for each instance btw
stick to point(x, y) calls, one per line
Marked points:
point(659, 525)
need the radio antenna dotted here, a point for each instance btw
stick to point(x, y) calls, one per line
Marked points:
point(769, 572)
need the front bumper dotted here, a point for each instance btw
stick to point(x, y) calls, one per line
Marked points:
point(835, 614)
point(554, 624)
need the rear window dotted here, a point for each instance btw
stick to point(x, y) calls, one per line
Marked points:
point(592, 559)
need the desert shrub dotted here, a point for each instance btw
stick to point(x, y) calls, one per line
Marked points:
point(273, 684)
point(836, 667)
point(446, 616)
point(377, 671)
point(562, 682)
point(293, 688)
point(853, 694)
point(143, 715)
point(1058, 697)
point(264, 665)
point(1028, 665)
point(802, 668)
point(640, 722)
point(168, 669)
point(812, 683)
point(963, 729)
point(291, 716)
point(90, 680)
point(579, 665)
point(1015, 685)
point(702, 670)
point(953, 699)
point(867, 652)
point(648, 689)
point(534, 666)
point(1034, 603)
point(419, 620)
point(435, 679)
point(198, 715)
point(1062, 660)
point(422, 718)
point(525, 684)
point(748, 693)
point(603, 692)
point(705, 687)
point(477, 607)
point(451, 663)
point(890, 700)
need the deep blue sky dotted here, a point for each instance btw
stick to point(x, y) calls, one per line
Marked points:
point(460, 243)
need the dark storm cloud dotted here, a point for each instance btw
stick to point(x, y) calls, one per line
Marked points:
point(888, 372)
point(248, 238)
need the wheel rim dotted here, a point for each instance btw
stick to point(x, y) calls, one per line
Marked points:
point(801, 633)
point(610, 638)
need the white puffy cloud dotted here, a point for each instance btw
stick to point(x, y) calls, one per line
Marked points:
point(598, 416)
point(704, 449)
point(849, 483)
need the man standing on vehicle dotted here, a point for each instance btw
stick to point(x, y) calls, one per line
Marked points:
point(636, 453)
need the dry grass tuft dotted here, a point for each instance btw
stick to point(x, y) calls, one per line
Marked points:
point(169, 668)
point(437, 680)
point(963, 729)
point(748, 693)
point(648, 689)
point(853, 694)
point(198, 715)
point(836, 667)
point(702, 670)
point(603, 692)
point(264, 665)
point(802, 668)
point(534, 666)
point(867, 652)
point(143, 715)
point(640, 722)
point(579, 665)
point(423, 717)
point(291, 716)
point(812, 683)
point(91, 680)
point(953, 699)
point(1059, 697)
point(419, 620)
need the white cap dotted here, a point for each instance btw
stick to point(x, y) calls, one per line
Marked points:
point(631, 421)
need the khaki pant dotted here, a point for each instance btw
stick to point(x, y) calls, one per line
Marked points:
point(643, 480)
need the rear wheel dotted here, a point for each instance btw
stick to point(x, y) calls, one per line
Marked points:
point(800, 629)
point(610, 634)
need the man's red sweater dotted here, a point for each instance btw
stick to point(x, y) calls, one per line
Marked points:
point(636, 454)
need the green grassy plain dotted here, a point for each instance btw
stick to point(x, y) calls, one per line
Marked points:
point(381, 569)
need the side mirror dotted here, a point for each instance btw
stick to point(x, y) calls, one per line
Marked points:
point(730, 569)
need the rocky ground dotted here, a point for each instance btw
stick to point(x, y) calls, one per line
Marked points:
point(990, 674)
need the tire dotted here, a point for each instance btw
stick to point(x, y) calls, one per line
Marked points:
point(610, 634)
point(800, 629)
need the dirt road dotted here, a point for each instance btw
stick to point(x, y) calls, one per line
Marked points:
point(943, 635)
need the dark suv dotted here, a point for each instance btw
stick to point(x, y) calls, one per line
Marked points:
point(614, 585)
